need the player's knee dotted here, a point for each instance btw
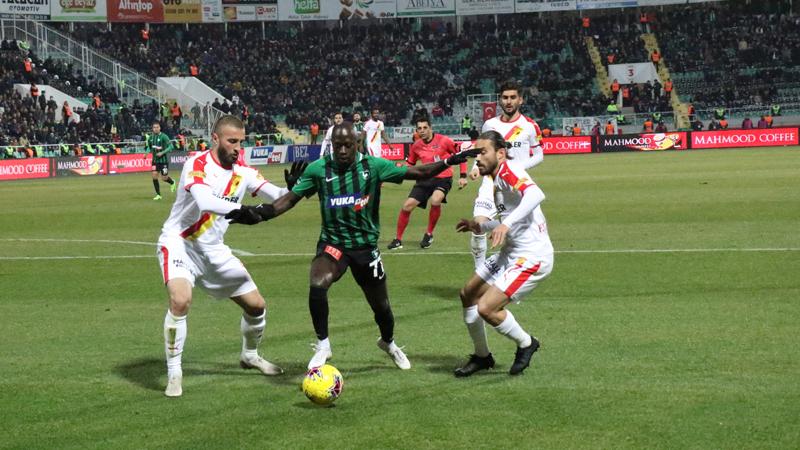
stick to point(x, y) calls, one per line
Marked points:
point(323, 281)
point(486, 311)
point(179, 304)
point(467, 297)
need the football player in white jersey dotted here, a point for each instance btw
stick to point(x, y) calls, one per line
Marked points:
point(524, 135)
point(191, 248)
point(375, 134)
point(524, 259)
point(326, 141)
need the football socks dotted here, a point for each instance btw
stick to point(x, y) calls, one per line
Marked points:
point(475, 326)
point(511, 329)
point(318, 306)
point(433, 217)
point(174, 339)
point(252, 332)
point(402, 223)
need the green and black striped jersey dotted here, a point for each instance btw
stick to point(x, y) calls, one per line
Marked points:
point(349, 198)
point(157, 144)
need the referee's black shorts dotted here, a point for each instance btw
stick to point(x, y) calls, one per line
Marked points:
point(423, 190)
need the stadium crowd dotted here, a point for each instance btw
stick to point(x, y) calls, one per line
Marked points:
point(719, 54)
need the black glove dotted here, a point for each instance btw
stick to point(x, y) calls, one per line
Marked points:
point(461, 157)
point(291, 176)
point(247, 215)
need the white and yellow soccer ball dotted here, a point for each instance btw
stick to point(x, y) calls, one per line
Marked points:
point(323, 385)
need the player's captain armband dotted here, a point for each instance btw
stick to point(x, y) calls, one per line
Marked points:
point(334, 252)
point(197, 174)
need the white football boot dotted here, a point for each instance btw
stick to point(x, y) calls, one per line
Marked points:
point(321, 356)
point(396, 353)
point(257, 362)
point(174, 385)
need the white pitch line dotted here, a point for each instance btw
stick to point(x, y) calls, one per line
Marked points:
point(104, 241)
point(417, 253)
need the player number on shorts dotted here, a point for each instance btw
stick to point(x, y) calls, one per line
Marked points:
point(377, 268)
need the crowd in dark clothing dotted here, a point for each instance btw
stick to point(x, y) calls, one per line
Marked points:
point(306, 75)
point(741, 58)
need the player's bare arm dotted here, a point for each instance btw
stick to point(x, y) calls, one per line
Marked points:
point(431, 170)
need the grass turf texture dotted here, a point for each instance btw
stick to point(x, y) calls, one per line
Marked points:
point(639, 349)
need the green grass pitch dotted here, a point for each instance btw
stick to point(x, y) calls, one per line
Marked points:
point(671, 320)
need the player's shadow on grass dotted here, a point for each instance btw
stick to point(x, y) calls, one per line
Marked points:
point(439, 291)
point(144, 372)
point(150, 373)
point(438, 363)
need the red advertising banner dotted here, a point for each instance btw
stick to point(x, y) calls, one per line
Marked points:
point(136, 11)
point(130, 163)
point(565, 145)
point(20, 169)
point(394, 152)
point(489, 110)
point(769, 137)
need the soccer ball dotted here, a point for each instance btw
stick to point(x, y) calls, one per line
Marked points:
point(323, 385)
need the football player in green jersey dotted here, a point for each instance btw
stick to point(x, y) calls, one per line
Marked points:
point(348, 184)
point(159, 145)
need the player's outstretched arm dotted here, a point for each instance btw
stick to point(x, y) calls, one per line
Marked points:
point(251, 215)
point(431, 170)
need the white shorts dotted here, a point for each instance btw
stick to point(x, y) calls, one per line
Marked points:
point(216, 269)
point(484, 204)
point(515, 275)
point(375, 150)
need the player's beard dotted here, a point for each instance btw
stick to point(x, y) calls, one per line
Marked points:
point(511, 114)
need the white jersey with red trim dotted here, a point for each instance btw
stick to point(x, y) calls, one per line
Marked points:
point(524, 135)
point(529, 234)
point(373, 130)
point(186, 220)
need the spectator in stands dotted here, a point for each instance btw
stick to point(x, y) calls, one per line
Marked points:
point(314, 130)
point(66, 113)
point(697, 125)
point(762, 123)
point(747, 124)
point(661, 127)
point(723, 124)
point(647, 127)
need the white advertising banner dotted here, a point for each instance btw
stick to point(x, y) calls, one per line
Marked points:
point(212, 11)
point(78, 10)
point(599, 4)
point(475, 7)
point(424, 8)
point(545, 5)
point(632, 73)
point(32, 9)
point(335, 10)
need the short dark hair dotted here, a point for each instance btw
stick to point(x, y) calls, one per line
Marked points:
point(228, 120)
point(511, 85)
point(422, 119)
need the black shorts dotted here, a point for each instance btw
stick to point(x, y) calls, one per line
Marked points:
point(366, 263)
point(423, 190)
point(162, 168)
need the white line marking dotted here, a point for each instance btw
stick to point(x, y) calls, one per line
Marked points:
point(236, 251)
point(417, 253)
point(105, 241)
